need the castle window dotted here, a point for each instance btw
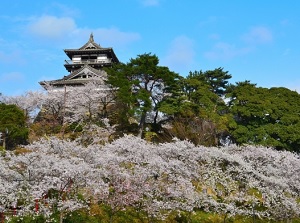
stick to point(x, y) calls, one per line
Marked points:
point(76, 59)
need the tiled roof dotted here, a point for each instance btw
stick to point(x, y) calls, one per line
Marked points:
point(99, 75)
point(92, 47)
point(90, 44)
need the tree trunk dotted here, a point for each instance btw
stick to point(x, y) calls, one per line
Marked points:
point(4, 141)
point(64, 113)
point(142, 124)
point(61, 217)
point(4, 144)
point(2, 217)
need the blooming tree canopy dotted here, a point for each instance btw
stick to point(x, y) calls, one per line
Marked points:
point(155, 178)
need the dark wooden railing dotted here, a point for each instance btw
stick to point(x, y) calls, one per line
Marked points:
point(88, 61)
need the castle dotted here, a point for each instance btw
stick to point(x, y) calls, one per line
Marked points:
point(84, 65)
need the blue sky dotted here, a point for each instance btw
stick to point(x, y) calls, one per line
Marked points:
point(253, 40)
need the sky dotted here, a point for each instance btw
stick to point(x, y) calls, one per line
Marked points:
point(253, 40)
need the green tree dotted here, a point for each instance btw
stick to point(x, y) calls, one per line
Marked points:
point(217, 79)
point(141, 87)
point(200, 113)
point(263, 116)
point(12, 126)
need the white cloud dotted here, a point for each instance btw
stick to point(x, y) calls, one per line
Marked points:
point(106, 37)
point(284, 22)
point(214, 36)
point(64, 28)
point(51, 27)
point(258, 35)
point(65, 10)
point(11, 77)
point(226, 51)
point(150, 2)
point(208, 21)
point(114, 37)
point(286, 52)
point(180, 55)
point(14, 57)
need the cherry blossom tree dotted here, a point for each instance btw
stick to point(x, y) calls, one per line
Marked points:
point(85, 106)
point(55, 109)
point(157, 179)
point(30, 102)
point(47, 175)
point(88, 102)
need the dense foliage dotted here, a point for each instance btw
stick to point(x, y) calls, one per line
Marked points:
point(198, 109)
point(268, 117)
point(13, 130)
point(141, 87)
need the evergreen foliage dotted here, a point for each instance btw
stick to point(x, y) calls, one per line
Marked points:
point(268, 117)
point(12, 126)
point(141, 87)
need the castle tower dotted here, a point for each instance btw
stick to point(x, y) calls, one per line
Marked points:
point(85, 64)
